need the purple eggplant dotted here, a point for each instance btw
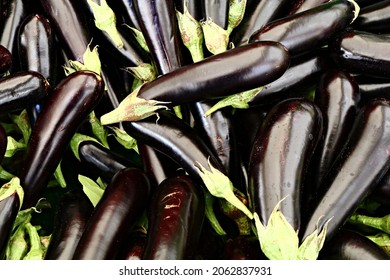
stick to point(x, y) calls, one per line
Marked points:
point(374, 18)
point(5, 60)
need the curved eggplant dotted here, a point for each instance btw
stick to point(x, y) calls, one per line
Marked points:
point(72, 215)
point(175, 218)
point(280, 157)
point(310, 29)
point(21, 89)
point(122, 203)
point(351, 245)
point(374, 18)
point(66, 108)
point(360, 52)
point(257, 15)
point(5, 60)
point(356, 172)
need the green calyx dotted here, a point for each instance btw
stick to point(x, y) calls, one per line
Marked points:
point(91, 62)
point(144, 72)
point(236, 14)
point(105, 20)
point(216, 38)
point(11, 187)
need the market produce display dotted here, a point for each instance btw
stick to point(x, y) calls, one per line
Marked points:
point(194, 130)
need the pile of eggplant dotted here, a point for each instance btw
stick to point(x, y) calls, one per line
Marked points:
point(186, 129)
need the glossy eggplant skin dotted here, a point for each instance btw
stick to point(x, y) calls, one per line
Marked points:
point(160, 28)
point(360, 52)
point(72, 215)
point(66, 108)
point(338, 97)
point(216, 10)
point(36, 46)
point(280, 157)
point(356, 172)
point(301, 76)
point(374, 18)
point(175, 215)
point(122, 203)
point(5, 60)
point(372, 87)
point(351, 245)
point(23, 88)
point(243, 247)
point(3, 143)
point(134, 245)
point(227, 73)
point(175, 138)
point(257, 15)
point(104, 160)
point(303, 5)
point(310, 29)
point(126, 10)
point(192, 6)
point(9, 208)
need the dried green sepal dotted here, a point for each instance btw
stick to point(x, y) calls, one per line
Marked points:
point(216, 38)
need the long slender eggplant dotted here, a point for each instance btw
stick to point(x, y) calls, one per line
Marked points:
point(21, 89)
point(103, 159)
point(122, 203)
point(360, 52)
point(338, 97)
point(301, 76)
point(160, 28)
point(66, 108)
point(280, 158)
point(258, 14)
point(351, 245)
point(374, 18)
point(362, 163)
point(175, 218)
point(216, 10)
point(303, 5)
point(71, 217)
point(5, 60)
point(309, 29)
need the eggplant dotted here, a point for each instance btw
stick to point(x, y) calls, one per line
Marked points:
point(5, 60)
point(243, 247)
point(381, 193)
point(104, 160)
point(351, 245)
point(126, 10)
point(160, 28)
point(3, 143)
point(216, 10)
point(21, 89)
point(134, 245)
point(374, 18)
point(372, 87)
point(360, 52)
point(338, 97)
point(258, 14)
point(312, 28)
point(67, 107)
point(71, 217)
point(175, 218)
point(280, 158)
point(359, 167)
point(192, 6)
point(122, 203)
point(303, 5)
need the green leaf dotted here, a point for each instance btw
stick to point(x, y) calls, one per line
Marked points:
point(219, 185)
point(139, 37)
point(36, 251)
point(91, 189)
point(210, 215)
point(239, 101)
point(5, 175)
point(11, 187)
point(124, 138)
point(23, 122)
point(98, 129)
point(14, 146)
point(59, 176)
point(105, 20)
point(133, 108)
point(76, 140)
point(17, 246)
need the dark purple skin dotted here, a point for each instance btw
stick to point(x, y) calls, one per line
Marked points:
point(3, 143)
point(257, 15)
point(381, 193)
point(70, 220)
point(374, 18)
point(192, 6)
point(356, 172)
point(9, 208)
point(303, 5)
point(175, 218)
point(66, 108)
point(5, 60)
point(21, 89)
point(351, 245)
point(372, 87)
point(220, 75)
point(160, 28)
point(122, 203)
point(216, 10)
point(360, 52)
point(280, 157)
point(310, 29)
point(133, 246)
point(243, 247)
point(126, 10)
point(337, 95)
